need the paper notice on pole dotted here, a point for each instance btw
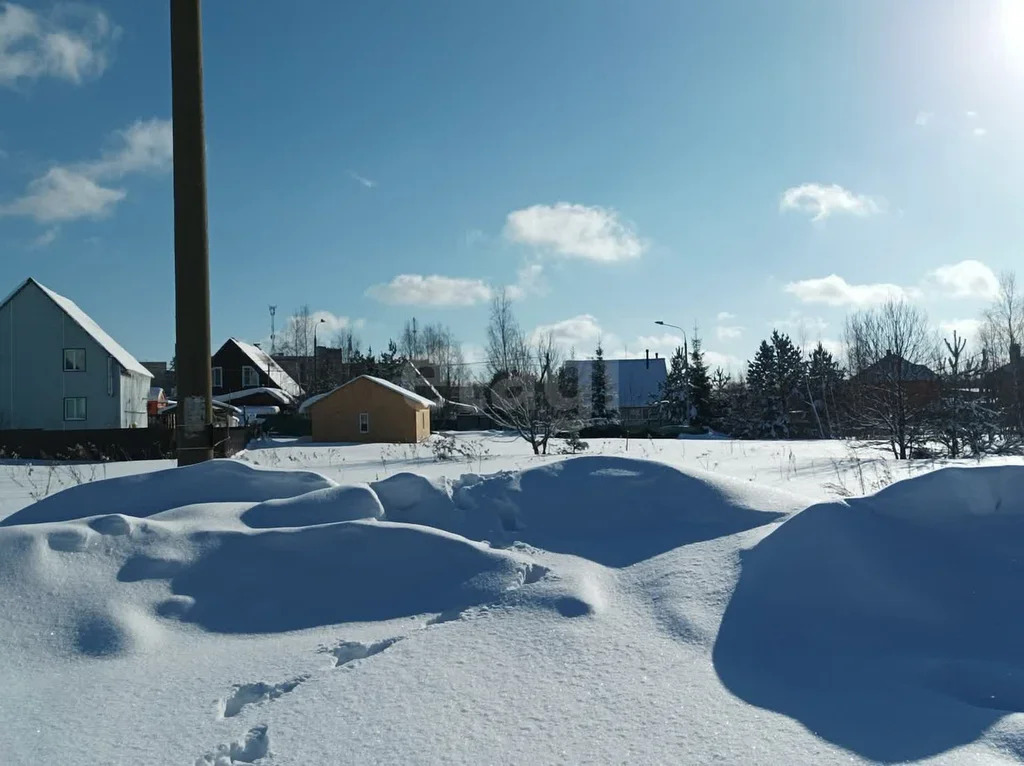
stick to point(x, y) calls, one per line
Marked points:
point(195, 413)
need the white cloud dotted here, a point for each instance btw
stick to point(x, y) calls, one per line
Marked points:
point(363, 180)
point(800, 324)
point(46, 239)
point(144, 146)
point(979, 132)
point(665, 344)
point(727, 362)
point(581, 332)
point(63, 195)
point(73, 43)
point(822, 201)
point(725, 332)
point(971, 115)
point(725, 316)
point(333, 324)
point(432, 290)
point(66, 193)
point(833, 290)
point(964, 328)
point(575, 231)
point(923, 118)
point(966, 279)
point(530, 281)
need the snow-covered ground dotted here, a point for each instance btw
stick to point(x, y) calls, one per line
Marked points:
point(692, 601)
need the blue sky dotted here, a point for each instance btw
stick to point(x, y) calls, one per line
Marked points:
point(736, 165)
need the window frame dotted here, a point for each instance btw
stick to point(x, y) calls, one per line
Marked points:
point(64, 361)
point(113, 369)
point(255, 372)
point(85, 408)
point(364, 422)
point(217, 377)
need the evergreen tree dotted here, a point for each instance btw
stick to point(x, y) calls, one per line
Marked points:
point(599, 386)
point(721, 383)
point(699, 386)
point(569, 388)
point(389, 363)
point(774, 376)
point(674, 389)
point(820, 384)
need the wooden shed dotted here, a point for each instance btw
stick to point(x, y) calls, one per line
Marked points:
point(369, 409)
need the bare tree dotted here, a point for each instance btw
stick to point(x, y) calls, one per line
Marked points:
point(891, 385)
point(508, 351)
point(1001, 334)
point(528, 401)
point(298, 334)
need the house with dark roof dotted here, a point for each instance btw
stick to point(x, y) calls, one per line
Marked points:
point(60, 371)
point(634, 385)
point(244, 374)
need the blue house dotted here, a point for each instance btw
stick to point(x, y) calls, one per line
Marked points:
point(60, 371)
point(634, 385)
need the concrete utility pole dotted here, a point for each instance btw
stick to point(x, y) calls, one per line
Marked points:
point(191, 249)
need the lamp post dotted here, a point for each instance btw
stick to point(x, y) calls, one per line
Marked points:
point(315, 326)
point(686, 343)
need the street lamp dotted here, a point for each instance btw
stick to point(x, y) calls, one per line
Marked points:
point(315, 326)
point(686, 343)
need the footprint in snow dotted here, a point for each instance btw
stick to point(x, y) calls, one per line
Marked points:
point(250, 749)
point(350, 651)
point(251, 694)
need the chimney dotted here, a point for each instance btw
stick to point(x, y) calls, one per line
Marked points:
point(655, 354)
point(647, 358)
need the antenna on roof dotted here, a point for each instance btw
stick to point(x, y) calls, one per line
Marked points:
point(273, 333)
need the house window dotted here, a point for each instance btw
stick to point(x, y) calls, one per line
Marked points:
point(74, 360)
point(364, 422)
point(112, 371)
point(218, 377)
point(250, 377)
point(74, 408)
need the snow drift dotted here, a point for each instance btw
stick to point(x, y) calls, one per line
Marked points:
point(141, 495)
point(892, 624)
point(615, 511)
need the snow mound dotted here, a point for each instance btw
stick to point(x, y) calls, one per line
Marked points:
point(321, 506)
point(280, 580)
point(146, 494)
point(890, 625)
point(615, 511)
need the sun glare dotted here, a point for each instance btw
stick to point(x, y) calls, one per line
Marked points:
point(1011, 32)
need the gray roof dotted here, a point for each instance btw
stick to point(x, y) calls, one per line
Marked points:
point(265, 363)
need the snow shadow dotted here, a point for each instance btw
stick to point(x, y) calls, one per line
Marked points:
point(281, 580)
point(142, 495)
point(614, 511)
point(890, 625)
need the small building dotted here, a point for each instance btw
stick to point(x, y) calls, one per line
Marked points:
point(59, 371)
point(156, 401)
point(369, 409)
point(244, 374)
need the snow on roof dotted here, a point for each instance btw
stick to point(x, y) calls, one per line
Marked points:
point(266, 363)
point(409, 395)
point(87, 323)
point(313, 400)
point(275, 393)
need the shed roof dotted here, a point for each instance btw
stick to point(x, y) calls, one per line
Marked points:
point(87, 323)
point(411, 397)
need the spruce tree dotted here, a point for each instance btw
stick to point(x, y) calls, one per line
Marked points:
point(699, 386)
point(821, 382)
point(674, 389)
point(761, 382)
point(599, 386)
point(789, 375)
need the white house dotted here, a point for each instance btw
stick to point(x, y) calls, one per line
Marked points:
point(60, 371)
